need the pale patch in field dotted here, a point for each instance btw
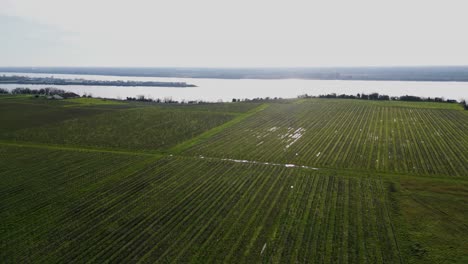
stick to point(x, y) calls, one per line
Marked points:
point(292, 137)
point(270, 163)
point(260, 135)
point(318, 154)
point(263, 248)
point(260, 143)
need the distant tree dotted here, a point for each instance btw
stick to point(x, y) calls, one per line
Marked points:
point(384, 97)
point(374, 96)
point(464, 104)
point(410, 98)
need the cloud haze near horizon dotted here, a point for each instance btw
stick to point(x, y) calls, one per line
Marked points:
point(209, 33)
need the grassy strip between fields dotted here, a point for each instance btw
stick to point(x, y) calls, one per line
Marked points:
point(54, 147)
point(352, 172)
point(191, 142)
point(93, 101)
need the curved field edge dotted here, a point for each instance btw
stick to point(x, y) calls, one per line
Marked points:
point(206, 135)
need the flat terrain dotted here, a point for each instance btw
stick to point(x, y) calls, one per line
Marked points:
point(291, 181)
point(350, 134)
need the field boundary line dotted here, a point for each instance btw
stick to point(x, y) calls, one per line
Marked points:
point(81, 149)
point(350, 172)
point(207, 134)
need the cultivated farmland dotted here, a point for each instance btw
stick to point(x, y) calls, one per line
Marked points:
point(92, 123)
point(116, 207)
point(350, 134)
point(293, 181)
point(141, 129)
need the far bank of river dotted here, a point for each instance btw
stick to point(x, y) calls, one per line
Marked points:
point(226, 89)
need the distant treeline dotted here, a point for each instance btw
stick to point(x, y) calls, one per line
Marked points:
point(57, 81)
point(384, 97)
point(381, 97)
point(169, 100)
point(50, 93)
point(42, 91)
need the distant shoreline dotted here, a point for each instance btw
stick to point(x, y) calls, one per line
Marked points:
point(427, 73)
point(24, 80)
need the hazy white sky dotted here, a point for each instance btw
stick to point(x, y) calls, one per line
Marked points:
point(239, 33)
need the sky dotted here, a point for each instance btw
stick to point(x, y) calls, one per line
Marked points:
point(240, 33)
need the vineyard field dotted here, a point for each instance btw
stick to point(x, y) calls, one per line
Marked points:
point(100, 124)
point(278, 181)
point(350, 134)
point(187, 209)
point(18, 115)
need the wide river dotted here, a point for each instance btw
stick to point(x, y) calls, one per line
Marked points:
point(225, 89)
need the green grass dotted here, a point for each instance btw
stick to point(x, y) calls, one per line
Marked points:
point(15, 115)
point(93, 101)
point(431, 217)
point(142, 129)
point(103, 206)
point(233, 183)
point(9, 96)
point(238, 107)
point(39, 186)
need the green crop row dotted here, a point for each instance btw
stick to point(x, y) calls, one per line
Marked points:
point(148, 129)
point(349, 134)
point(83, 206)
